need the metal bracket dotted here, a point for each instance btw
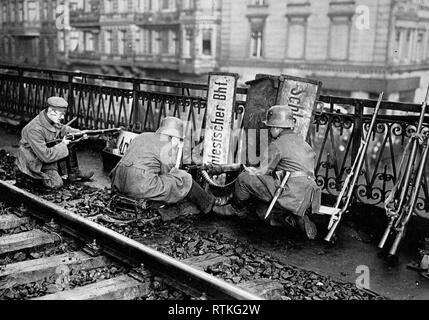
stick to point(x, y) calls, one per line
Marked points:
point(93, 249)
point(140, 273)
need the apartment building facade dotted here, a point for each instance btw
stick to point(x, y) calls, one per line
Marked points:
point(28, 33)
point(145, 38)
point(357, 48)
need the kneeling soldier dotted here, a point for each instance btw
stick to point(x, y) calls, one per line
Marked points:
point(147, 170)
point(287, 152)
point(36, 162)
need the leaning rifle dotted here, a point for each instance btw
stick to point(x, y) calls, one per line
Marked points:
point(348, 187)
point(75, 137)
point(408, 211)
point(393, 214)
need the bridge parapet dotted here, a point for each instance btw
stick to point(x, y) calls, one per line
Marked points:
point(101, 101)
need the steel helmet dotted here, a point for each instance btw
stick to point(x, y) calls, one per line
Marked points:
point(280, 117)
point(172, 127)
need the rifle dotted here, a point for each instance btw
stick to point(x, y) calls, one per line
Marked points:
point(76, 137)
point(354, 173)
point(394, 214)
point(405, 216)
point(215, 169)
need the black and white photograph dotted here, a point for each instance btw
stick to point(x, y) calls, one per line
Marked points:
point(210, 155)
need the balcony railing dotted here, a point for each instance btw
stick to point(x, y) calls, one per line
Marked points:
point(80, 18)
point(140, 104)
point(84, 55)
point(156, 18)
point(24, 28)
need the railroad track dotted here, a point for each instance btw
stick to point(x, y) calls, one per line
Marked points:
point(204, 251)
point(56, 254)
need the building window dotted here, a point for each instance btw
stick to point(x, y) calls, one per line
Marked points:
point(32, 11)
point(339, 39)
point(89, 41)
point(122, 5)
point(420, 47)
point(21, 11)
point(188, 4)
point(155, 44)
point(121, 42)
point(164, 41)
point(172, 42)
point(108, 6)
point(296, 39)
point(61, 41)
point(6, 46)
point(108, 42)
point(12, 12)
point(74, 41)
point(207, 42)
point(4, 13)
point(165, 4)
point(45, 10)
point(256, 37)
point(187, 45)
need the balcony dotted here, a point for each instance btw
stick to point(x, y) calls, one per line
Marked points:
point(25, 28)
point(156, 18)
point(82, 19)
point(84, 55)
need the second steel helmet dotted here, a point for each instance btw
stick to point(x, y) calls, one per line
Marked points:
point(171, 126)
point(280, 117)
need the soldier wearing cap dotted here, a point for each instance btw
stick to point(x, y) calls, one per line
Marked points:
point(287, 152)
point(35, 161)
point(147, 170)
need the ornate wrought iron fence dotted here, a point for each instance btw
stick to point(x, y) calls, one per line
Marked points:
point(101, 101)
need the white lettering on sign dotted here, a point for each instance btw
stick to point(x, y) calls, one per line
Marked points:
point(220, 107)
point(300, 95)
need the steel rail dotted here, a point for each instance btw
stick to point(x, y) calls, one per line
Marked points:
point(109, 239)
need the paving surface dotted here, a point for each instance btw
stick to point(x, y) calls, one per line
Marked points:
point(343, 262)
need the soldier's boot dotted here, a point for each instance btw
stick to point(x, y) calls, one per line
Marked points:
point(79, 175)
point(307, 226)
point(229, 211)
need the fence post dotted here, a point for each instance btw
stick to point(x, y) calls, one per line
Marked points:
point(357, 137)
point(21, 95)
point(135, 118)
point(70, 99)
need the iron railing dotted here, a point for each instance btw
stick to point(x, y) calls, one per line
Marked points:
point(100, 101)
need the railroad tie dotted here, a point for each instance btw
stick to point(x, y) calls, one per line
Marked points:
point(119, 288)
point(26, 240)
point(10, 221)
point(29, 271)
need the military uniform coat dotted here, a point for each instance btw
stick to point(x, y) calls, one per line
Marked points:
point(289, 152)
point(147, 171)
point(34, 158)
